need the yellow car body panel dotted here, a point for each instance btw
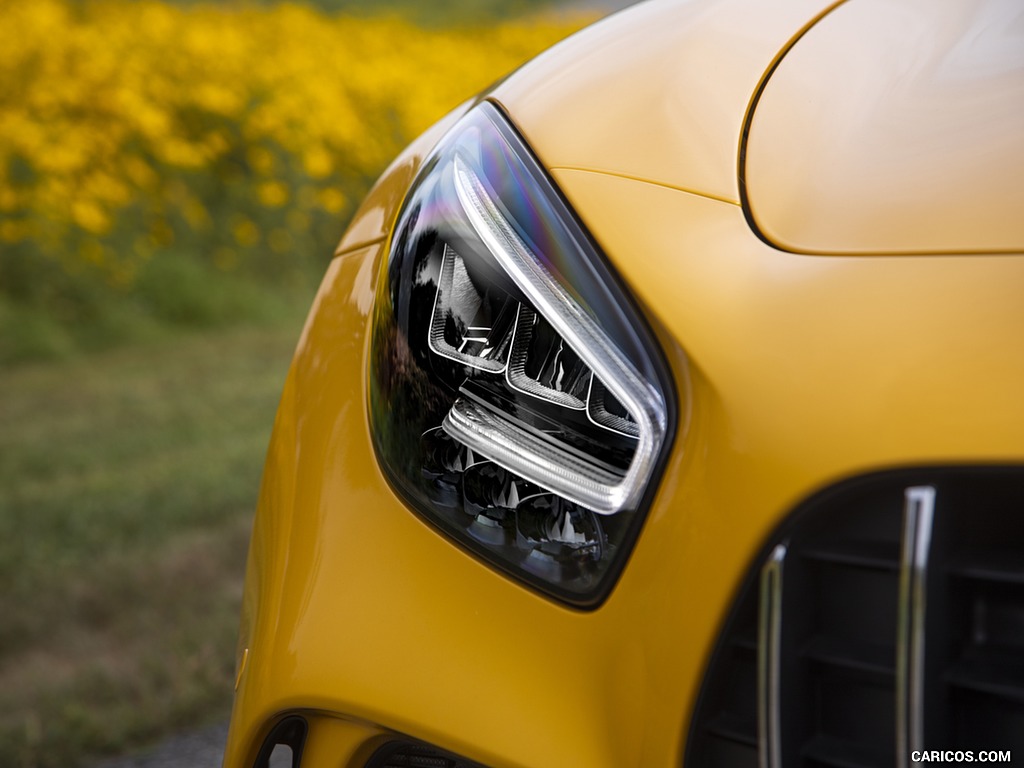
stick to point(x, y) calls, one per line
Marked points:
point(792, 372)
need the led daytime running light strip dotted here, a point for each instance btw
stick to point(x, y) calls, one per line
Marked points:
point(544, 464)
point(601, 494)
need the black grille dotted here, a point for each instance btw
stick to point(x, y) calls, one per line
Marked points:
point(885, 616)
point(406, 754)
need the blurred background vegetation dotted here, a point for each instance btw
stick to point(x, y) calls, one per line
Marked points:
point(173, 179)
point(162, 163)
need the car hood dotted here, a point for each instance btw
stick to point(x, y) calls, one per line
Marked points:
point(894, 126)
point(657, 92)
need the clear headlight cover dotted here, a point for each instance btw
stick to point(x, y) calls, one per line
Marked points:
point(517, 399)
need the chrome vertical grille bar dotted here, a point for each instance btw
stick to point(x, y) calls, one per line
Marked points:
point(769, 631)
point(919, 507)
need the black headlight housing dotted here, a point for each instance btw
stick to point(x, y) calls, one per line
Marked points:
point(518, 401)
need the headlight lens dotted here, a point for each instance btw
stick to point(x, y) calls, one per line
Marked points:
point(517, 400)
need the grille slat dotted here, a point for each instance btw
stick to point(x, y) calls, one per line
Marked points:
point(841, 754)
point(878, 555)
point(866, 657)
point(734, 728)
point(998, 677)
point(745, 642)
point(1007, 568)
point(898, 624)
point(998, 674)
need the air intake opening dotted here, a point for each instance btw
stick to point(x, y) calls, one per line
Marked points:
point(283, 746)
point(888, 616)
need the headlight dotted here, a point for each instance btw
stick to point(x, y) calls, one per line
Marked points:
point(517, 399)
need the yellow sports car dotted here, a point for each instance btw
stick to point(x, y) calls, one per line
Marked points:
point(665, 406)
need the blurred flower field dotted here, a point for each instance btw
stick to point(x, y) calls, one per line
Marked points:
point(158, 161)
point(165, 166)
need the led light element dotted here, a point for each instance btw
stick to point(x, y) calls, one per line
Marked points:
point(543, 365)
point(544, 462)
point(517, 399)
point(467, 326)
point(642, 401)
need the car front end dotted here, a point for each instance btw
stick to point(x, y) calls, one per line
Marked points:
point(749, 491)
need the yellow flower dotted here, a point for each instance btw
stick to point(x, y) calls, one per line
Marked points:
point(139, 172)
point(196, 215)
point(90, 217)
point(272, 194)
point(261, 160)
point(184, 154)
point(331, 200)
point(12, 231)
point(9, 199)
point(218, 98)
point(317, 162)
point(245, 231)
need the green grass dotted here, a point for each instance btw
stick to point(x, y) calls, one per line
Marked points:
point(60, 313)
point(127, 485)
